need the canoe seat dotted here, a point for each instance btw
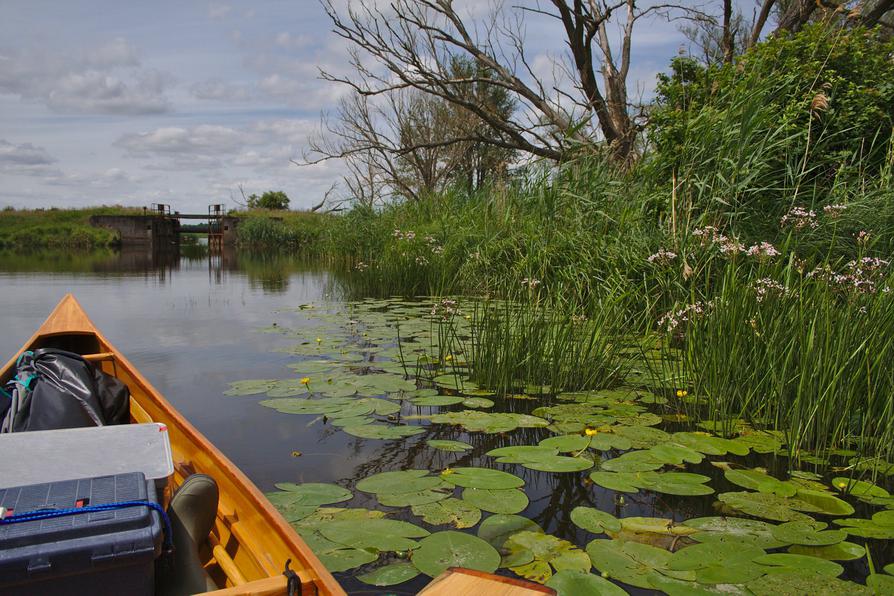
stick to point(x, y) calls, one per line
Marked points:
point(192, 511)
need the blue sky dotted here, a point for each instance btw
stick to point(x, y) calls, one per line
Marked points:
point(134, 103)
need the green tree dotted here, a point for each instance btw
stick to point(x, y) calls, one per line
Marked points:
point(272, 199)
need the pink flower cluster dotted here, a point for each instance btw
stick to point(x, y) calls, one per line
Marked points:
point(800, 219)
point(762, 251)
point(672, 320)
point(768, 288)
point(662, 257)
point(860, 276)
point(445, 309)
point(834, 211)
point(408, 235)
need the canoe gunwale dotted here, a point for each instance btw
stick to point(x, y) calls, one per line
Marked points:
point(69, 318)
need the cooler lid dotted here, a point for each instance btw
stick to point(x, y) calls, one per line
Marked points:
point(42, 456)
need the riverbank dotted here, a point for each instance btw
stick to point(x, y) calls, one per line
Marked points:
point(31, 229)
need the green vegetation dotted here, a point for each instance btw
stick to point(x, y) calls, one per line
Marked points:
point(56, 228)
point(274, 230)
point(272, 199)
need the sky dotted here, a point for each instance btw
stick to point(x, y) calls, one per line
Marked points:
point(181, 102)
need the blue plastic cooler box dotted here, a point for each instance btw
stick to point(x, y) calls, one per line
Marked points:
point(107, 552)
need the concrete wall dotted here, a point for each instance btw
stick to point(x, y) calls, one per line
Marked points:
point(228, 225)
point(141, 230)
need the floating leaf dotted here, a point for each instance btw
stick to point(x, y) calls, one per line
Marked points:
point(390, 575)
point(641, 437)
point(478, 402)
point(376, 534)
point(735, 530)
point(447, 445)
point(824, 503)
point(496, 529)
point(544, 553)
point(866, 528)
point(760, 481)
point(566, 443)
point(859, 488)
point(798, 583)
point(631, 562)
point(520, 453)
point(559, 463)
point(672, 453)
point(439, 493)
point(801, 563)
point(296, 501)
point(383, 431)
point(458, 513)
point(766, 505)
point(336, 557)
point(482, 478)
point(843, 551)
point(718, 562)
point(709, 444)
point(632, 461)
point(882, 584)
point(437, 400)
point(808, 533)
point(251, 387)
point(655, 525)
point(399, 481)
point(618, 481)
point(447, 549)
point(497, 501)
point(594, 520)
point(578, 583)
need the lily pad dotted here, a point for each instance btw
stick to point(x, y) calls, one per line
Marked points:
point(337, 557)
point(808, 533)
point(765, 505)
point(296, 501)
point(447, 445)
point(390, 575)
point(437, 400)
point(422, 497)
point(407, 481)
point(478, 402)
point(544, 554)
point(481, 478)
point(866, 528)
point(760, 481)
point(496, 529)
point(383, 431)
point(718, 562)
point(559, 464)
point(504, 501)
point(842, 551)
point(521, 453)
point(735, 530)
point(251, 386)
point(631, 562)
point(455, 512)
point(655, 525)
point(824, 503)
point(800, 563)
point(374, 534)
point(797, 583)
point(579, 583)
point(859, 488)
point(672, 453)
point(632, 461)
point(566, 443)
point(438, 552)
point(882, 584)
point(595, 520)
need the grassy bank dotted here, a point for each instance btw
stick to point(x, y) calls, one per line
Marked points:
point(273, 230)
point(29, 229)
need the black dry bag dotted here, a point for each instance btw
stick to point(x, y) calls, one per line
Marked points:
point(55, 389)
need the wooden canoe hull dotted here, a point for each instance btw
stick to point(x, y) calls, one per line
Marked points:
point(251, 542)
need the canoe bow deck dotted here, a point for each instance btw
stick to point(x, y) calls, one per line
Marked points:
point(250, 542)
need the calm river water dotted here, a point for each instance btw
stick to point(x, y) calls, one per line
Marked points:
point(191, 325)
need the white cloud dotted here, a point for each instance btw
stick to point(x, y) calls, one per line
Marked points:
point(203, 140)
point(219, 90)
point(218, 10)
point(105, 79)
point(25, 159)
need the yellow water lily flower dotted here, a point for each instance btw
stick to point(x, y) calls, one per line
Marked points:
point(446, 472)
point(305, 380)
point(842, 485)
point(448, 357)
point(682, 393)
point(590, 431)
point(319, 340)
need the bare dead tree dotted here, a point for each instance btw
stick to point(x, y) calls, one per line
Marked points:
point(729, 49)
point(766, 8)
point(411, 43)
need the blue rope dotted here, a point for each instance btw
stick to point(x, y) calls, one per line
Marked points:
point(52, 513)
